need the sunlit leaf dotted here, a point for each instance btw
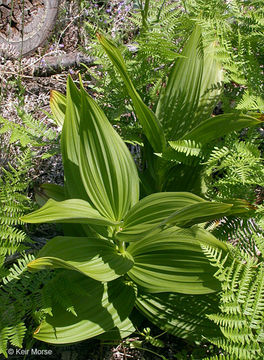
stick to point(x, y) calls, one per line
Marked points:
point(197, 213)
point(58, 106)
point(99, 308)
point(97, 258)
point(193, 88)
point(180, 99)
point(146, 117)
point(180, 315)
point(217, 126)
point(151, 211)
point(68, 211)
point(211, 84)
point(70, 144)
point(107, 168)
point(172, 261)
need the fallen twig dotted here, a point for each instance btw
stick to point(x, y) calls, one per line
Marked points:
point(56, 64)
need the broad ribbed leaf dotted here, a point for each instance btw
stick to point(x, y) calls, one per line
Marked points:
point(217, 126)
point(58, 106)
point(192, 89)
point(146, 117)
point(70, 144)
point(211, 84)
point(97, 258)
point(181, 315)
point(99, 308)
point(198, 213)
point(179, 101)
point(107, 168)
point(151, 211)
point(172, 261)
point(68, 211)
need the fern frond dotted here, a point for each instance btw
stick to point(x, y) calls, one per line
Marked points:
point(241, 303)
point(13, 204)
point(16, 271)
point(188, 147)
point(251, 102)
point(233, 322)
point(20, 301)
point(30, 131)
point(255, 303)
point(219, 357)
point(4, 335)
point(216, 155)
point(250, 351)
point(36, 129)
point(17, 333)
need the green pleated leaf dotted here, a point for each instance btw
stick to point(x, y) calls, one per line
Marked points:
point(172, 261)
point(197, 213)
point(68, 211)
point(70, 144)
point(181, 315)
point(211, 84)
point(192, 90)
point(179, 101)
point(107, 168)
point(58, 106)
point(146, 117)
point(151, 211)
point(99, 308)
point(220, 125)
point(97, 258)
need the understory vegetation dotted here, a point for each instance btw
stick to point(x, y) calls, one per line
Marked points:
point(131, 207)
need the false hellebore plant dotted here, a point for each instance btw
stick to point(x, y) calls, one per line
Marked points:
point(180, 125)
point(120, 251)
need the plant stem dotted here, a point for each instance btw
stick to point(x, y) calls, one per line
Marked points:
point(144, 13)
point(121, 246)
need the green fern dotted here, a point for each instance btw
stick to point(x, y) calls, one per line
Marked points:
point(235, 167)
point(21, 303)
point(219, 357)
point(29, 132)
point(241, 304)
point(188, 147)
point(14, 203)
